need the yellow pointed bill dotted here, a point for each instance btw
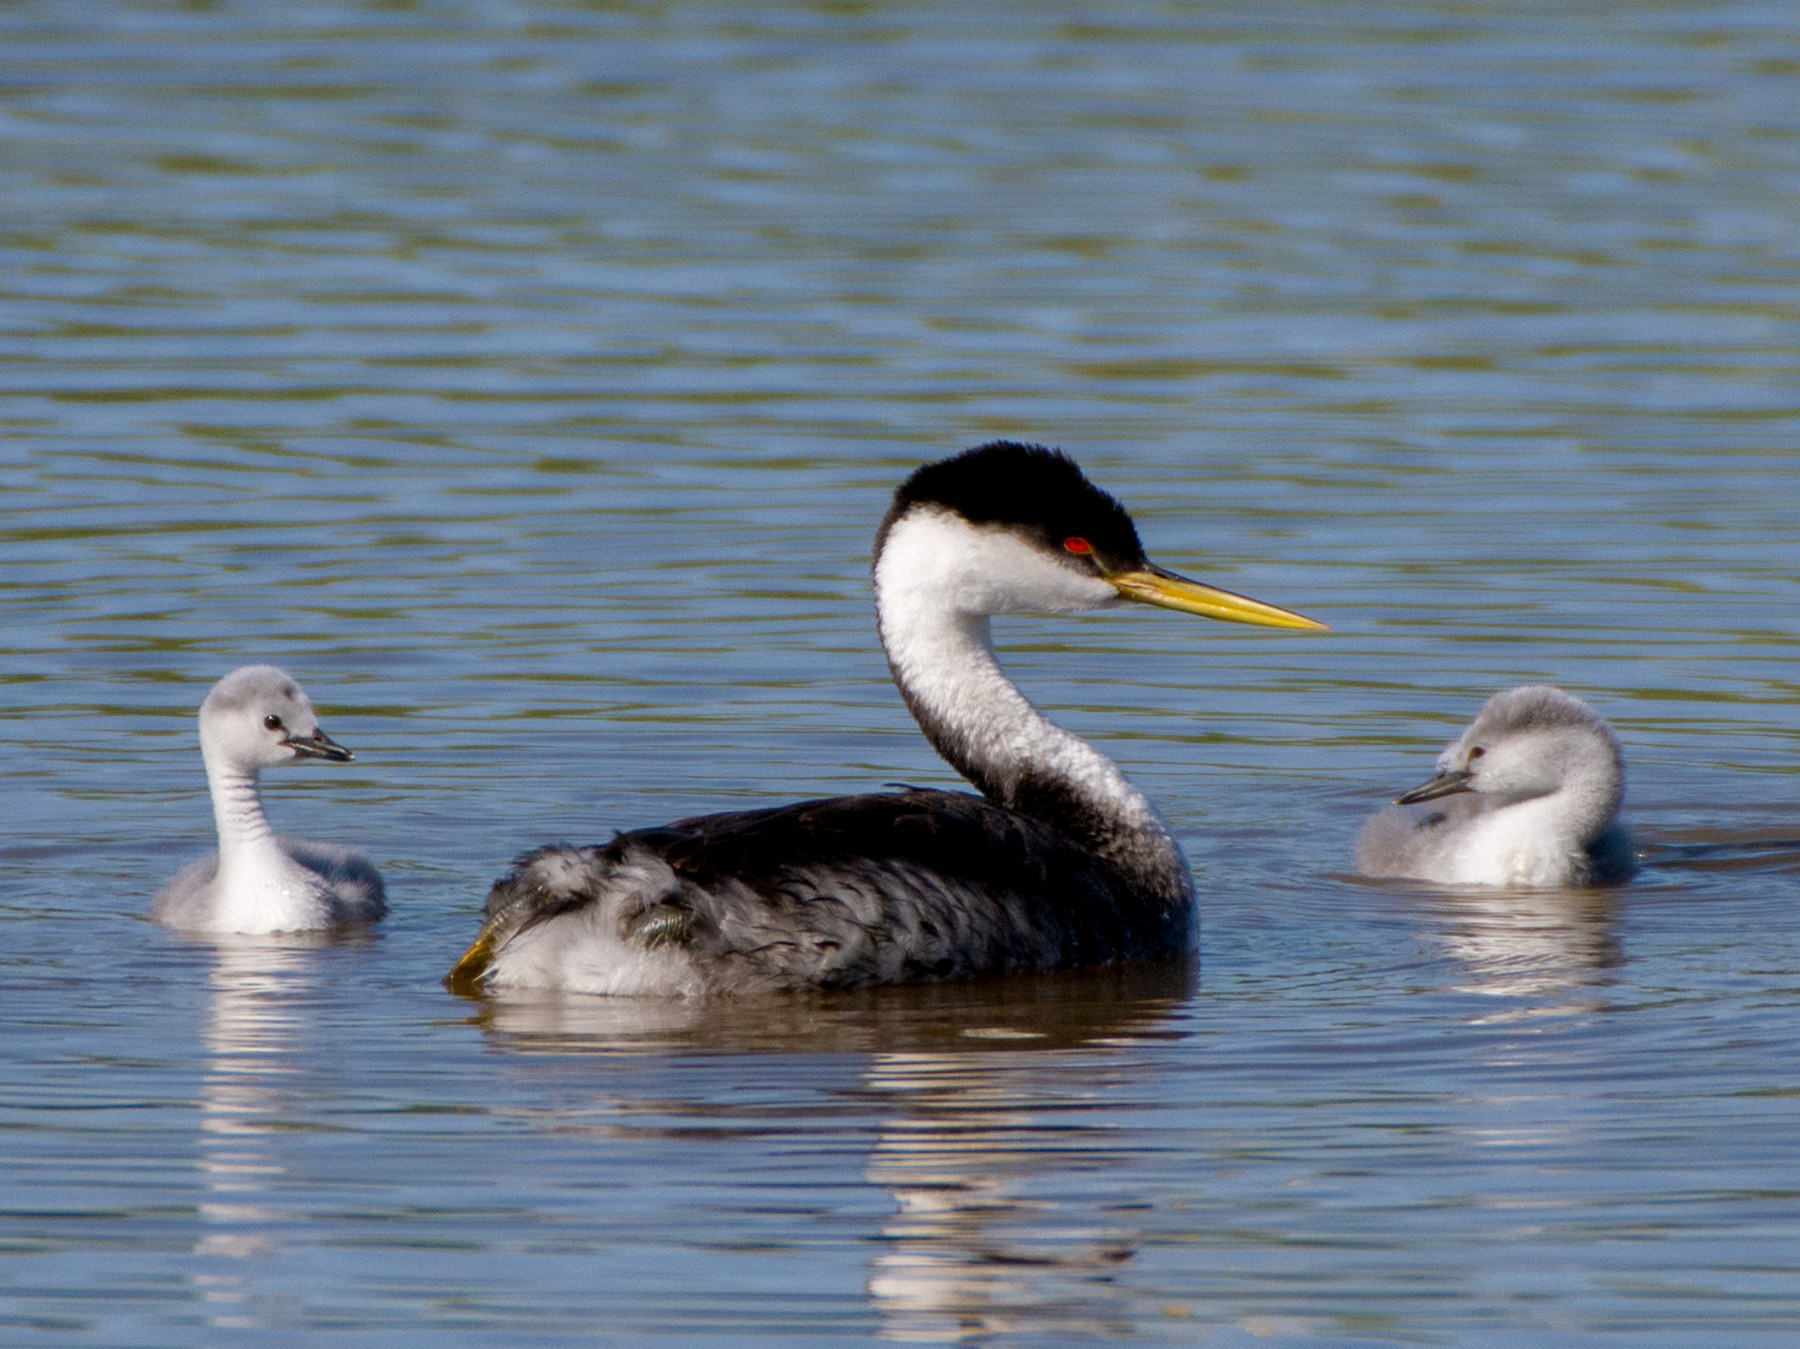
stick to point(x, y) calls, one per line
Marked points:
point(1153, 585)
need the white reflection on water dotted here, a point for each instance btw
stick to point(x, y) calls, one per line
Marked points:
point(1552, 950)
point(971, 1251)
point(250, 1036)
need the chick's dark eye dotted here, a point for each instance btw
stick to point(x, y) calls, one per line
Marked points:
point(272, 721)
point(1476, 753)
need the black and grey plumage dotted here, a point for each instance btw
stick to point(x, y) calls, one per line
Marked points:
point(1528, 795)
point(1060, 862)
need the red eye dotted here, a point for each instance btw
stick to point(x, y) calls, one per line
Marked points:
point(1076, 544)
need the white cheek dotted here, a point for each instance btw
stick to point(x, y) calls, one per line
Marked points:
point(979, 570)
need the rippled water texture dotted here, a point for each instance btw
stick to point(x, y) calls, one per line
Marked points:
point(528, 378)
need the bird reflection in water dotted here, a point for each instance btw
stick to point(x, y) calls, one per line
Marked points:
point(1547, 952)
point(977, 1246)
point(1555, 950)
point(983, 1101)
point(247, 1090)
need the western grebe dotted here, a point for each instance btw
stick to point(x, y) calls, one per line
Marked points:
point(254, 718)
point(1528, 796)
point(1060, 861)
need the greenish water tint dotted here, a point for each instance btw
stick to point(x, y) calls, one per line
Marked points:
point(529, 379)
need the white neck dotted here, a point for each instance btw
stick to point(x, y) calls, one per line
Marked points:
point(237, 807)
point(942, 657)
point(260, 888)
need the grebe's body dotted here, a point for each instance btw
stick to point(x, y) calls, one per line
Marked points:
point(1059, 862)
point(255, 718)
point(1529, 795)
point(837, 893)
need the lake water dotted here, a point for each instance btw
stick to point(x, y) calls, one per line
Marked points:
point(529, 378)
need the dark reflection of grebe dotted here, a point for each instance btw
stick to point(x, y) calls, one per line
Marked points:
point(973, 1113)
point(1044, 1011)
point(249, 1038)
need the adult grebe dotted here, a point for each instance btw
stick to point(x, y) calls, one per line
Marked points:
point(254, 718)
point(1528, 796)
point(1060, 862)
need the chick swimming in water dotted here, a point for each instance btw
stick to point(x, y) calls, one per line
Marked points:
point(1529, 795)
point(254, 718)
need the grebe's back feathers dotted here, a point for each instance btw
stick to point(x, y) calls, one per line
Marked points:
point(837, 893)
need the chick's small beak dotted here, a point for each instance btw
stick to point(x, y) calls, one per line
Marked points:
point(1447, 783)
point(318, 745)
point(1152, 584)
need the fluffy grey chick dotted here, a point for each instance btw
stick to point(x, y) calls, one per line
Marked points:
point(255, 718)
point(1529, 795)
